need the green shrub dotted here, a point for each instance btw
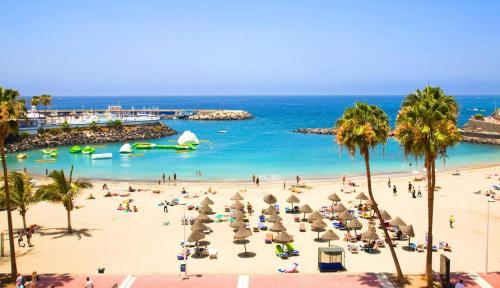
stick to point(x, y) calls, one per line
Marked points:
point(65, 126)
point(24, 135)
point(54, 131)
point(115, 123)
point(478, 116)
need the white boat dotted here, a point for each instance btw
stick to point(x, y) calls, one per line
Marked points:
point(222, 131)
point(126, 148)
point(102, 156)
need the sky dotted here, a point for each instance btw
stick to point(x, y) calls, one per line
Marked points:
point(122, 47)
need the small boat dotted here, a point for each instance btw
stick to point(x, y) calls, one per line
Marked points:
point(75, 149)
point(222, 131)
point(102, 156)
point(88, 150)
point(48, 151)
point(22, 156)
point(126, 148)
point(53, 154)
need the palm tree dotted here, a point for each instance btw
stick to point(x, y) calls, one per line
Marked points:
point(11, 109)
point(45, 100)
point(22, 193)
point(426, 126)
point(63, 191)
point(35, 101)
point(363, 127)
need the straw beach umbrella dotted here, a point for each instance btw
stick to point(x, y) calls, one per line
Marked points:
point(238, 223)
point(277, 227)
point(292, 199)
point(397, 222)
point(199, 226)
point(334, 198)
point(385, 215)
point(370, 234)
point(274, 218)
point(305, 209)
point(238, 214)
point(339, 207)
point(196, 236)
point(270, 210)
point(355, 225)
point(361, 197)
point(345, 215)
point(205, 209)
point(237, 205)
point(241, 234)
point(270, 199)
point(318, 225)
point(237, 196)
point(329, 236)
point(202, 217)
point(283, 238)
point(315, 215)
point(408, 230)
point(207, 201)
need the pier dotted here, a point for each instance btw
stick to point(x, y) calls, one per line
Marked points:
point(163, 113)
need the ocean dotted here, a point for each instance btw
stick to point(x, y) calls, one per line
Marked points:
point(264, 146)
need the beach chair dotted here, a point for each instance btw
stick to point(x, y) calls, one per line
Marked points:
point(291, 249)
point(227, 209)
point(279, 252)
point(420, 248)
point(296, 218)
point(262, 226)
point(302, 227)
point(290, 269)
point(256, 229)
point(354, 248)
point(288, 210)
point(269, 238)
point(412, 247)
point(277, 207)
point(262, 218)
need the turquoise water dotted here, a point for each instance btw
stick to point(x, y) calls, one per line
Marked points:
point(264, 146)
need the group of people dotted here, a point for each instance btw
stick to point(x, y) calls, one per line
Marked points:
point(25, 232)
point(25, 282)
point(255, 180)
point(174, 177)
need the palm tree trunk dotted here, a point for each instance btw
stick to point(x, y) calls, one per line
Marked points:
point(70, 230)
point(13, 265)
point(23, 215)
point(429, 165)
point(377, 211)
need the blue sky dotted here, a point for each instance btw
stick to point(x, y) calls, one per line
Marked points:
point(249, 47)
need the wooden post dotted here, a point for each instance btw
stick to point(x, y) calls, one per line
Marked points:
point(2, 249)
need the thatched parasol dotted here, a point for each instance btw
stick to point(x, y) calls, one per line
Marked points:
point(339, 207)
point(205, 209)
point(238, 214)
point(345, 215)
point(241, 234)
point(237, 205)
point(238, 223)
point(397, 222)
point(305, 209)
point(207, 201)
point(292, 199)
point(270, 210)
point(315, 215)
point(354, 224)
point(334, 198)
point(274, 218)
point(370, 234)
point(203, 218)
point(270, 199)
point(369, 202)
point(199, 226)
point(237, 196)
point(408, 230)
point(277, 227)
point(283, 238)
point(362, 197)
point(318, 225)
point(329, 236)
point(196, 236)
point(385, 215)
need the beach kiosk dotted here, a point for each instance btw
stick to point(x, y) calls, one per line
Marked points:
point(331, 259)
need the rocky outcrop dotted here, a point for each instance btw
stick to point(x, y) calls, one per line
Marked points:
point(86, 135)
point(223, 115)
point(481, 140)
point(322, 131)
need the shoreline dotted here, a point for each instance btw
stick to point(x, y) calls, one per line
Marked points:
point(375, 176)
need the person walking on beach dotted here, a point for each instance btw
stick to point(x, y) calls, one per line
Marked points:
point(20, 241)
point(253, 178)
point(168, 179)
point(394, 190)
point(413, 193)
point(46, 172)
point(257, 181)
point(284, 185)
point(419, 194)
point(28, 237)
point(343, 180)
point(389, 183)
point(452, 221)
point(163, 177)
point(298, 179)
point(89, 283)
point(165, 208)
point(409, 187)
point(175, 177)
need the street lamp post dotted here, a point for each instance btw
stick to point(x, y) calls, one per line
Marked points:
point(184, 224)
point(487, 232)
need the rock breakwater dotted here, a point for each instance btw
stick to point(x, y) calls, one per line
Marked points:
point(223, 115)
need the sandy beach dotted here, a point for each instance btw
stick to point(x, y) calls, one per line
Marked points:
point(139, 243)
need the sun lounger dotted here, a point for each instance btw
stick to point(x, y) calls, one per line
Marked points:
point(302, 227)
point(262, 226)
point(412, 247)
point(269, 238)
point(256, 229)
point(420, 248)
point(291, 249)
point(296, 218)
point(262, 218)
point(292, 268)
point(354, 248)
point(279, 252)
